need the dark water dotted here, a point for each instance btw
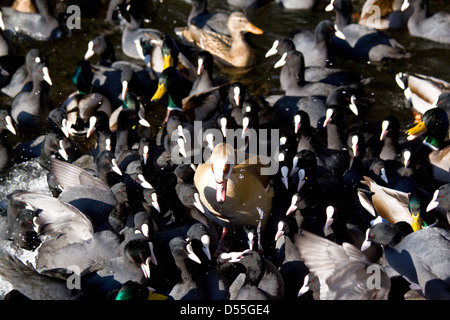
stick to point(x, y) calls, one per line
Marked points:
point(429, 58)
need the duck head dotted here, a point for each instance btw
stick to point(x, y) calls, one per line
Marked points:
point(435, 124)
point(222, 163)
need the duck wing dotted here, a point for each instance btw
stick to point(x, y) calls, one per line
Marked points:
point(341, 269)
point(392, 205)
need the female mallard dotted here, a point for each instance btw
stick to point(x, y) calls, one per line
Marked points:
point(231, 50)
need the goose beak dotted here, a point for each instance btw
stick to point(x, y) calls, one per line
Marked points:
point(160, 92)
point(46, 75)
point(272, 51)
point(353, 106)
point(384, 127)
point(9, 125)
point(405, 5)
point(280, 232)
point(115, 167)
point(90, 51)
point(197, 203)
point(124, 89)
point(145, 154)
point(191, 254)
point(329, 221)
point(433, 203)
point(145, 267)
point(330, 6)
point(200, 66)
point(293, 205)
point(62, 151)
point(417, 130)
point(205, 240)
point(366, 243)
point(338, 33)
point(221, 191)
point(281, 62)
point(328, 115)
point(305, 287)
point(92, 122)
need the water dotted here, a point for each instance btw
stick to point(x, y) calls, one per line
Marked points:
point(429, 58)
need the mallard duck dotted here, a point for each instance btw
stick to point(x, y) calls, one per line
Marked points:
point(233, 188)
point(390, 204)
point(420, 90)
point(199, 106)
point(82, 104)
point(434, 126)
point(231, 50)
point(384, 14)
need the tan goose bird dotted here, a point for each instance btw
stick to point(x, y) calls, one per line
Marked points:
point(233, 188)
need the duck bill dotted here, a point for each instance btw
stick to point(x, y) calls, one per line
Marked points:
point(221, 191)
point(160, 92)
point(253, 29)
point(168, 61)
point(416, 221)
point(417, 130)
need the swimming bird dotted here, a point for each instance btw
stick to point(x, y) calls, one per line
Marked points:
point(262, 279)
point(355, 41)
point(223, 185)
point(423, 24)
point(31, 108)
point(403, 251)
point(41, 26)
point(231, 50)
point(421, 91)
point(7, 154)
point(383, 15)
point(23, 75)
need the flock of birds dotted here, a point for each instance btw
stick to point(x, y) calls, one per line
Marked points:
point(356, 210)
